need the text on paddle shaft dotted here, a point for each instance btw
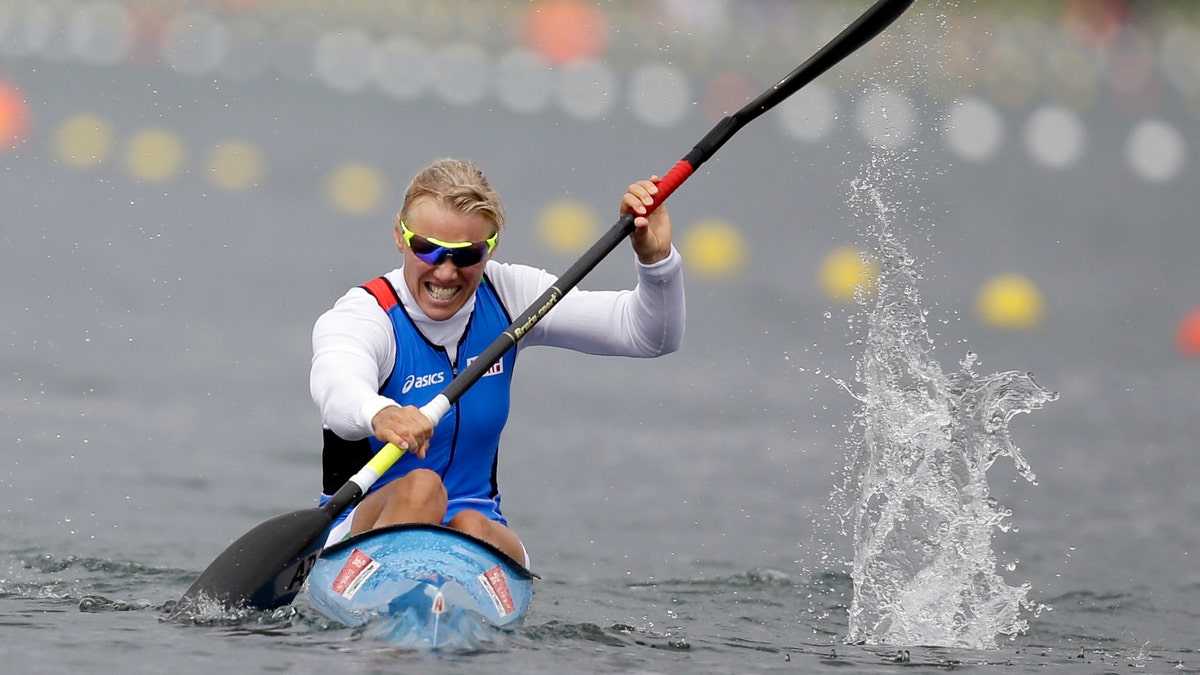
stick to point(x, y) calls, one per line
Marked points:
point(555, 296)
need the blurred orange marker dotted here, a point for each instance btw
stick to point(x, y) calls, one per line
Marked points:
point(1188, 335)
point(14, 116)
point(565, 30)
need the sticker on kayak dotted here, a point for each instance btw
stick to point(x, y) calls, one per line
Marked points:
point(358, 568)
point(497, 589)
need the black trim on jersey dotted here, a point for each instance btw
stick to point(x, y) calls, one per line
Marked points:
point(341, 459)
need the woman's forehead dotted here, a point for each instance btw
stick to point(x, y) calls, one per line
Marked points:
point(431, 218)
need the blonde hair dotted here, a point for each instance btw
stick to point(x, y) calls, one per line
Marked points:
point(459, 185)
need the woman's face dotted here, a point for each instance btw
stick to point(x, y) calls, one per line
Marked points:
point(442, 289)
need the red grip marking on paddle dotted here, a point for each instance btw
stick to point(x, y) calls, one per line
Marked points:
point(667, 184)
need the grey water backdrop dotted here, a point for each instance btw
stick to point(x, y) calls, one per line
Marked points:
point(688, 514)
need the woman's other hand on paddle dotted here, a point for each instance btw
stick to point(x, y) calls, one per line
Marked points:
point(407, 427)
point(652, 237)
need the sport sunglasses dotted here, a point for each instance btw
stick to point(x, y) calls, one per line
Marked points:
point(433, 251)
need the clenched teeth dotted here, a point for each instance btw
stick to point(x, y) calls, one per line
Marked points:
point(441, 292)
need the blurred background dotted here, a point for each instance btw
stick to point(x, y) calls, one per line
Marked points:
point(185, 186)
point(1070, 126)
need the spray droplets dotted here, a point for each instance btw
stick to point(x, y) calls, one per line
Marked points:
point(924, 570)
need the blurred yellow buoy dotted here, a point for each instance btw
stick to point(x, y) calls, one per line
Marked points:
point(355, 188)
point(713, 248)
point(84, 141)
point(845, 270)
point(567, 227)
point(154, 155)
point(235, 165)
point(1009, 301)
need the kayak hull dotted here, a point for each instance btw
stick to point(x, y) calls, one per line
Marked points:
point(421, 587)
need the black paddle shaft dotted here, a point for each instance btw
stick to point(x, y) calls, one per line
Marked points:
point(881, 15)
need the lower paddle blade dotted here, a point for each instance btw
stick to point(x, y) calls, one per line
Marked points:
point(264, 569)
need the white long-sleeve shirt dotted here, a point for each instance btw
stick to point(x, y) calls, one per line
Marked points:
point(354, 345)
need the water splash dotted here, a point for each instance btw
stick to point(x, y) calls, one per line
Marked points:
point(924, 571)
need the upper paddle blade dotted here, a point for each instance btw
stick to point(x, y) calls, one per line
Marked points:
point(264, 569)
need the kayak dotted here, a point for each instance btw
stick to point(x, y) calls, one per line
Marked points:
point(418, 586)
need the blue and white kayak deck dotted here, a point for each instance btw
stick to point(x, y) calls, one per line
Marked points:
point(421, 587)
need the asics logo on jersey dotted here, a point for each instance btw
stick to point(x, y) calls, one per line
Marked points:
point(418, 381)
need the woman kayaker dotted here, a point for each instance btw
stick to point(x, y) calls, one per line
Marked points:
point(391, 345)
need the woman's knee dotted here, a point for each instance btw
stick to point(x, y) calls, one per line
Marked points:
point(418, 488)
point(473, 523)
point(418, 497)
point(480, 526)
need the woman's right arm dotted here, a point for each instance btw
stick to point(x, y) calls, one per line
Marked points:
point(353, 351)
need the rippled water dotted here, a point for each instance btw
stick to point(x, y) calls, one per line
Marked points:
point(69, 612)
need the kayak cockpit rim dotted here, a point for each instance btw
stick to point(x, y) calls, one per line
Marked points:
point(519, 569)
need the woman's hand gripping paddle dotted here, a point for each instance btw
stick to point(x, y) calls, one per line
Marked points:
point(266, 567)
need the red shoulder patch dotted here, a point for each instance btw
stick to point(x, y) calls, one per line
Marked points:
point(383, 292)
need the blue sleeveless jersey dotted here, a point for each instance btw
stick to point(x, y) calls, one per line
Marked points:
point(465, 444)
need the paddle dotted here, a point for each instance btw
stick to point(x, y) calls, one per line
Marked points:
point(266, 567)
